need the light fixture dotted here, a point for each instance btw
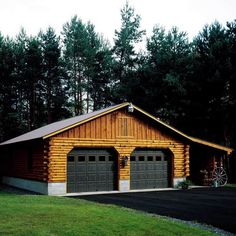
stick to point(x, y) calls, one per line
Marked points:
point(124, 161)
point(131, 108)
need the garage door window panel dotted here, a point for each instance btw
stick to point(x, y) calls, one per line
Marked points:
point(70, 158)
point(81, 158)
point(92, 158)
point(141, 158)
point(102, 158)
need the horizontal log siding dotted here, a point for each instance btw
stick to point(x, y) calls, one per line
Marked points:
point(113, 130)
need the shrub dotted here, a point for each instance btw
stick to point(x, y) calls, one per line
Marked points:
point(184, 184)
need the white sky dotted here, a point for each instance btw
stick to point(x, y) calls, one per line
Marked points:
point(187, 15)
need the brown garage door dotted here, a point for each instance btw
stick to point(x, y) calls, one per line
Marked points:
point(148, 169)
point(91, 170)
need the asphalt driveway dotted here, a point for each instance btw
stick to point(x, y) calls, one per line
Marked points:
point(213, 206)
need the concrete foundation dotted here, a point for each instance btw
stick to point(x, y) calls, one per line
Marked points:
point(60, 188)
point(124, 185)
point(57, 188)
point(178, 180)
point(36, 186)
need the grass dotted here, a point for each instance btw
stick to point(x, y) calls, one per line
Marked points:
point(47, 215)
point(231, 185)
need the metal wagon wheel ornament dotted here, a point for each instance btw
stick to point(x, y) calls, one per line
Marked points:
point(219, 176)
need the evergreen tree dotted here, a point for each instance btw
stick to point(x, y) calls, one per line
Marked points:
point(124, 51)
point(8, 96)
point(34, 83)
point(88, 59)
point(97, 70)
point(167, 72)
point(231, 86)
point(75, 40)
point(91, 49)
point(100, 86)
point(54, 77)
point(20, 69)
point(211, 78)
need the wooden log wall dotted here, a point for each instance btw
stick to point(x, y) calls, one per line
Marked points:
point(17, 158)
point(120, 130)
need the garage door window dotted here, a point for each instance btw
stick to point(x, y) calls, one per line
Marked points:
point(81, 158)
point(150, 158)
point(132, 158)
point(92, 158)
point(158, 158)
point(70, 158)
point(141, 158)
point(101, 158)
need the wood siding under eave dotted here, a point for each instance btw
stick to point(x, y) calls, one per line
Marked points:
point(120, 130)
point(16, 161)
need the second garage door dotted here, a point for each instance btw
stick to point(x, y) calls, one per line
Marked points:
point(148, 169)
point(91, 170)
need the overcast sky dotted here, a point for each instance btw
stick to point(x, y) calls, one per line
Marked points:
point(187, 15)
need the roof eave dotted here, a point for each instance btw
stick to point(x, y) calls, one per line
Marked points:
point(20, 141)
point(191, 139)
point(162, 123)
point(213, 145)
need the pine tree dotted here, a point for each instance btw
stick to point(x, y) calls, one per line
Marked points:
point(8, 96)
point(168, 72)
point(97, 70)
point(212, 76)
point(20, 69)
point(34, 83)
point(54, 77)
point(124, 51)
point(88, 60)
point(75, 40)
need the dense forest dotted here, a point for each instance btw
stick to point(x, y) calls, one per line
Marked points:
point(188, 84)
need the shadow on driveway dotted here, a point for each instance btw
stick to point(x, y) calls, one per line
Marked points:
point(213, 206)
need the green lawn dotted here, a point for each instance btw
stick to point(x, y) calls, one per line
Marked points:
point(231, 185)
point(45, 215)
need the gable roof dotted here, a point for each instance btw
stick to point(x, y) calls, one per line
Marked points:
point(192, 139)
point(60, 126)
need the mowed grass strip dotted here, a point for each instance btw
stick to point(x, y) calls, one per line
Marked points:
point(47, 215)
point(231, 185)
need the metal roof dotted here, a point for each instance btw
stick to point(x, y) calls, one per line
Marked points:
point(60, 126)
point(192, 139)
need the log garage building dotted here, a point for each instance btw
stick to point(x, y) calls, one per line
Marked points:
point(117, 148)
